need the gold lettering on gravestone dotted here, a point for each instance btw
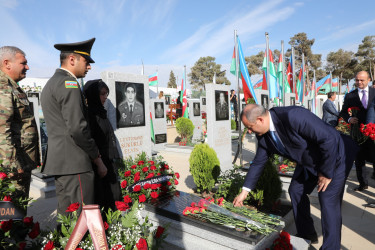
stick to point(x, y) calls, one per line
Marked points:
point(7, 211)
point(223, 137)
point(131, 144)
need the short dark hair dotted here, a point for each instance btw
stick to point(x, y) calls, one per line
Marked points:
point(64, 56)
point(330, 94)
point(130, 85)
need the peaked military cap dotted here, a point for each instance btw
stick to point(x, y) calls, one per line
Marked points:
point(82, 48)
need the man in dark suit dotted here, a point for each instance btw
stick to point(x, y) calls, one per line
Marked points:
point(323, 158)
point(360, 98)
point(330, 113)
point(70, 145)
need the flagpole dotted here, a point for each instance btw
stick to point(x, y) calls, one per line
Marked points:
point(157, 84)
point(294, 72)
point(331, 81)
point(314, 89)
point(143, 68)
point(282, 73)
point(302, 79)
point(268, 64)
point(239, 94)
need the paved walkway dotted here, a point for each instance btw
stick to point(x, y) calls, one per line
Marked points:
point(358, 221)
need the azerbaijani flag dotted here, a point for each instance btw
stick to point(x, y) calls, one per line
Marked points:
point(152, 129)
point(153, 79)
point(258, 84)
point(247, 87)
point(273, 78)
point(183, 98)
point(289, 75)
point(300, 84)
point(324, 81)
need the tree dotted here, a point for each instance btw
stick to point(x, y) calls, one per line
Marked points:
point(366, 54)
point(172, 80)
point(255, 62)
point(341, 63)
point(203, 72)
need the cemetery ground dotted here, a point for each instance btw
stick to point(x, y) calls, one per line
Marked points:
point(358, 220)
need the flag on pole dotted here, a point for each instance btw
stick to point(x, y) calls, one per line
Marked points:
point(313, 95)
point(153, 79)
point(258, 84)
point(300, 84)
point(289, 76)
point(183, 98)
point(273, 79)
point(152, 129)
point(264, 81)
point(325, 81)
point(247, 87)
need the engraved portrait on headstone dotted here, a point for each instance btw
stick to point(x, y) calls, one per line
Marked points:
point(309, 105)
point(203, 100)
point(292, 101)
point(197, 109)
point(167, 99)
point(222, 109)
point(264, 99)
point(159, 109)
point(130, 104)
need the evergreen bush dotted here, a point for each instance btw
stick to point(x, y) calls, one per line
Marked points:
point(204, 166)
point(233, 125)
point(185, 128)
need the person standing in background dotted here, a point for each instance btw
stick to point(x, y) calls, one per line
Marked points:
point(330, 113)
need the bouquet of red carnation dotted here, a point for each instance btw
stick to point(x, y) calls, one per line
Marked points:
point(343, 126)
point(355, 132)
point(282, 243)
point(368, 130)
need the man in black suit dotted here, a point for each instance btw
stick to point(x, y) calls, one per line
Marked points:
point(360, 98)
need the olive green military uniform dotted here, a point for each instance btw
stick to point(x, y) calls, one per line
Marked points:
point(19, 144)
point(70, 145)
point(129, 115)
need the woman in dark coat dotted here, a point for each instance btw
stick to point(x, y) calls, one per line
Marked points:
point(107, 189)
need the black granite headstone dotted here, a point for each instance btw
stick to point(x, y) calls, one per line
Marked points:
point(160, 138)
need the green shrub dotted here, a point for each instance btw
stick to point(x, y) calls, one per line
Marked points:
point(185, 128)
point(233, 124)
point(270, 183)
point(204, 166)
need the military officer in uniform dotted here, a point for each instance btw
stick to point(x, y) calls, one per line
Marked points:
point(19, 144)
point(222, 111)
point(131, 110)
point(71, 149)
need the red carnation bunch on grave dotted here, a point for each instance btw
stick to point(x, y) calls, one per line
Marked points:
point(282, 243)
point(368, 130)
point(145, 179)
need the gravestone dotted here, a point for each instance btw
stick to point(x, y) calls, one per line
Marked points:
point(263, 98)
point(34, 103)
point(203, 103)
point(159, 113)
point(129, 95)
point(218, 123)
point(290, 99)
point(196, 118)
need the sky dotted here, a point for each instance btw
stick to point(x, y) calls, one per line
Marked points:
point(167, 34)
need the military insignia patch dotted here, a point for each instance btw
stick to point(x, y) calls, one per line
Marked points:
point(71, 84)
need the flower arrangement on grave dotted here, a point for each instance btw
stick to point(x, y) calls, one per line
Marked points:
point(124, 229)
point(224, 213)
point(282, 243)
point(204, 115)
point(144, 180)
point(15, 234)
point(283, 165)
point(355, 132)
point(368, 130)
point(343, 126)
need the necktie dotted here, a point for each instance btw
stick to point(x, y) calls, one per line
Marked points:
point(278, 143)
point(131, 108)
point(364, 99)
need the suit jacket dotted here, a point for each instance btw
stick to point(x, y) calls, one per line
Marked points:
point(315, 146)
point(127, 118)
point(352, 100)
point(330, 114)
point(371, 112)
point(70, 145)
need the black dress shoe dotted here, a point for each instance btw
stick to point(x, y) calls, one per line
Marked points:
point(311, 237)
point(361, 188)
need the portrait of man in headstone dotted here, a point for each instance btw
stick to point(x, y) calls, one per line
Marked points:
point(167, 99)
point(292, 101)
point(309, 105)
point(222, 108)
point(264, 99)
point(130, 104)
point(160, 138)
point(159, 109)
point(197, 109)
point(203, 100)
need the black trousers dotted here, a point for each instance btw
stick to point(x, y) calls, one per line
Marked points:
point(366, 152)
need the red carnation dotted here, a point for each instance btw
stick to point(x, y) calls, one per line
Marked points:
point(145, 169)
point(133, 167)
point(154, 195)
point(150, 175)
point(142, 198)
point(159, 232)
point(118, 247)
point(169, 183)
point(136, 178)
point(3, 175)
point(72, 207)
point(142, 244)
point(137, 188)
point(28, 221)
point(141, 163)
point(158, 174)
point(35, 231)
point(7, 198)
point(153, 167)
point(166, 166)
point(122, 206)
point(176, 182)
point(49, 246)
point(220, 201)
point(21, 245)
point(6, 225)
point(147, 186)
point(151, 162)
point(127, 173)
point(124, 183)
point(177, 175)
point(154, 186)
point(106, 226)
point(127, 199)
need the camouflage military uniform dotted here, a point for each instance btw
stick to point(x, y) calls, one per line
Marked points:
point(19, 144)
